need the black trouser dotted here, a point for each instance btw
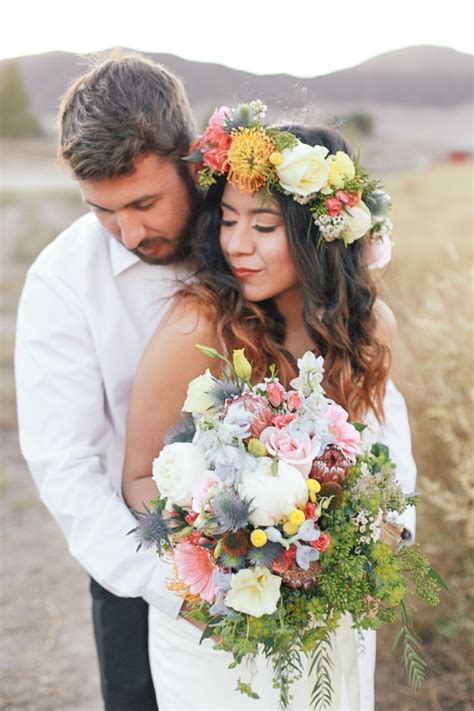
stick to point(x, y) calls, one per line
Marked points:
point(121, 636)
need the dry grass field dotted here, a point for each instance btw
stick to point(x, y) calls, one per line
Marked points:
point(47, 653)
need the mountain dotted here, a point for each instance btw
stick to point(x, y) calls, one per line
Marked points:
point(421, 76)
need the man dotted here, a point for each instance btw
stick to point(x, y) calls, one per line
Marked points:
point(90, 303)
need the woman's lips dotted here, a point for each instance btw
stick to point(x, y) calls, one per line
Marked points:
point(245, 273)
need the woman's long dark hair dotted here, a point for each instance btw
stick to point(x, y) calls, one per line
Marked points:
point(339, 298)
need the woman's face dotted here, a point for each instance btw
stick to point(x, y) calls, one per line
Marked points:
point(254, 243)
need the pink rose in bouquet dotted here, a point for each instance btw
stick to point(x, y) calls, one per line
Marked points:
point(276, 393)
point(298, 453)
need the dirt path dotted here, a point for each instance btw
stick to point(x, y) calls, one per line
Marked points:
point(48, 659)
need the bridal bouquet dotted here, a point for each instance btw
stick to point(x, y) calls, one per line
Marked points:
point(273, 515)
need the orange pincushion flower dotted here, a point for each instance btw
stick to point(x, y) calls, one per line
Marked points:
point(248, 158)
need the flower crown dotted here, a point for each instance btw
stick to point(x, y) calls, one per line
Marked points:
point(346, 203)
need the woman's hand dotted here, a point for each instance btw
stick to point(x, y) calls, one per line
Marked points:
point(390, 534)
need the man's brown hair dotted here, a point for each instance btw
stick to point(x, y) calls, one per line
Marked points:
point(124, 107)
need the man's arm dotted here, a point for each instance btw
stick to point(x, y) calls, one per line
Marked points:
point(64, 435)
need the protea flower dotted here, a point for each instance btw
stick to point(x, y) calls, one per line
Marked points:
point(262, 416)
point(296, 578)
point(332, 465)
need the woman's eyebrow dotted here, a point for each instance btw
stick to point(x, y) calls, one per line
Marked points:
point(255, 211)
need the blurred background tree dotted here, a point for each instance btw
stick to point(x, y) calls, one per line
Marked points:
point(16, 117)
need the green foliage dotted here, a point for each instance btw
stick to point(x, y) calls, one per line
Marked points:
point(16, 119)
point(246, 689)
point(320, 668)
point(414, 664)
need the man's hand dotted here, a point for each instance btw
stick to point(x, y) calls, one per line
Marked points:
point(200, 625)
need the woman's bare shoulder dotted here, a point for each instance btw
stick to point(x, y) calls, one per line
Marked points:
point(386, 323)
point(184, 325)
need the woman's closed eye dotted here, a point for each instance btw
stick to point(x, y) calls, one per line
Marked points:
point(265, 228)
point(227, 223)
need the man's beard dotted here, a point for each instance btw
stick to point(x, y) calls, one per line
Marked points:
point(180, 246)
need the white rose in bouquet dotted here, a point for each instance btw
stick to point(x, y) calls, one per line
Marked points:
point(254, 591)
point(178, 470)
point(273, 495)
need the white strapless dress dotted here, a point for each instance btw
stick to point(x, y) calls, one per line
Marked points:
point(188, 675)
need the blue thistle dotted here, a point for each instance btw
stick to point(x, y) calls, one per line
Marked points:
point(223, 390)
point(183, 431)
point(230, 510)
point(152, 529)
point(233, 562)
point(266, 555)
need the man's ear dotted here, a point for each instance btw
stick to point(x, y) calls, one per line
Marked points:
point(194, 165)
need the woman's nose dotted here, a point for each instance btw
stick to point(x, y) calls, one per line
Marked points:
point(240, 239)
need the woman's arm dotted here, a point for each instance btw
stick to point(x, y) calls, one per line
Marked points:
point(169, 363)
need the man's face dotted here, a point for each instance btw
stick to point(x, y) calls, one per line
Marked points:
point(148, 211)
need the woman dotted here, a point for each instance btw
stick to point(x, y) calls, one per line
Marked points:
point(278, 276)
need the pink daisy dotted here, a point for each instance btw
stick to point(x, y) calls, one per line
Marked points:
point(346, 437)
point(195, 567)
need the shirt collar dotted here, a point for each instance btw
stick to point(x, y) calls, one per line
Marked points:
point(121, 258)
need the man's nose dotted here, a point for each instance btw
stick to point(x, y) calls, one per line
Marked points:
point(132, 231)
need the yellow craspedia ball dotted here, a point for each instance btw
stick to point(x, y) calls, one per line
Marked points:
point(258, 538)
point(313, 486)
point(297, 517)
point(276, 158)
point(290, 528)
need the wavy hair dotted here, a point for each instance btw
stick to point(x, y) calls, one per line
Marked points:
point(338, 309)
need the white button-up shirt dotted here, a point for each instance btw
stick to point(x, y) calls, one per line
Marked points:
point(88, 308)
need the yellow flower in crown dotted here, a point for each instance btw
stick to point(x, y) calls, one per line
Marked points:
point(248, 158)
point(341, 168)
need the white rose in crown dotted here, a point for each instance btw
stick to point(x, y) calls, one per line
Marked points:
point(254, 591)
point(178, 470)
point(273, 495)
point(197, 398)
point(358, 222)
point(304, 169)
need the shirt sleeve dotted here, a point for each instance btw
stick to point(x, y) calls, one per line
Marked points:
point(64, 434)
point(396, 435)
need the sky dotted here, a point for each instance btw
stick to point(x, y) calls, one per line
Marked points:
point(305, 38)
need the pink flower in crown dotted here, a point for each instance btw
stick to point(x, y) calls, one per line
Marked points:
point(377, 253)
point(215, 135)
point(334, 206)
point(195, 567)
point(294, 401)
point(282, 421)
point(346, 437)
point(298, 453)
point(215, 158)
point(258, 406)
point(276, 393)
point(349, 199)
point(201, 492)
